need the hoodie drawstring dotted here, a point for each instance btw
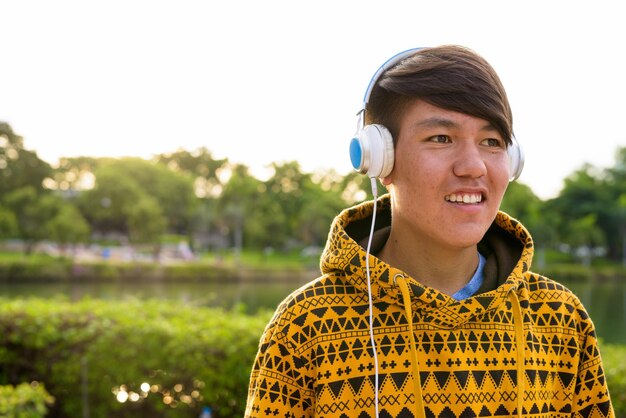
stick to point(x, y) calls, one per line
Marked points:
point(406, 298)
point(518, 323)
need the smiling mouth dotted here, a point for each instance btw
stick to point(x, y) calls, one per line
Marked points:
point(465, 198)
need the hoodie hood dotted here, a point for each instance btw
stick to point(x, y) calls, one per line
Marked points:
point(507, 246)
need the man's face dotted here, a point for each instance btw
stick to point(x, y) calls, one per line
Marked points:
point(450, 173)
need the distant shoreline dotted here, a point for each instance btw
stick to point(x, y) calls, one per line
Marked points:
point(66, 270)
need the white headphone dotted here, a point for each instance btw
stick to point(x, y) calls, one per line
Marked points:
point(371, 150)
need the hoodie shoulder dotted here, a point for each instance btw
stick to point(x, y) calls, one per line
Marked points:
point(302, 316)
point(552, 303)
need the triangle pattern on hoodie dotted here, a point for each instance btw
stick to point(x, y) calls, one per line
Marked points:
point(315, 357)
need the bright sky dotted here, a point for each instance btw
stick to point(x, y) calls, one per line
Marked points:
point(269, 81)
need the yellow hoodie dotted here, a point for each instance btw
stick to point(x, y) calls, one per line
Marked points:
point(522, 346)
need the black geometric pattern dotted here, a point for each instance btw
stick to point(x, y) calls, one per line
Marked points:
point(315, 357)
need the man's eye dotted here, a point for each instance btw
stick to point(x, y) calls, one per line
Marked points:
point(493, 142)
point(441, 139)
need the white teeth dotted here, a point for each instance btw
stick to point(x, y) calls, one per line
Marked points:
point(465, 198)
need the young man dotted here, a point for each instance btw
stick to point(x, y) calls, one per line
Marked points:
point(435, 312)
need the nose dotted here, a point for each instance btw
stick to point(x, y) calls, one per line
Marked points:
point(469, 162)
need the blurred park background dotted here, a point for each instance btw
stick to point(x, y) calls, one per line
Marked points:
point(140, 287)
point(151, 217)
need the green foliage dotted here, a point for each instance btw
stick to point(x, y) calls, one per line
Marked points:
point(571, 272)
point(219, 205)
point(120, 185)
point(519, 201)
point(16, 268)
point(146, 222)
point(106, 205)
point(8, 224)
point(591, 192)
point(615, 369)
point(160, 358)
point(290, 209)
point(584, 231)
point(19, 167)
point(67, 226)
point(45, 215)
point(24, 400)
point(201, 165)
point(34, 267)
point(150, 358)
point(32, 210)
point(74, 174)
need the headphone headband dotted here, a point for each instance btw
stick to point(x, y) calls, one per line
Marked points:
point(386, 65)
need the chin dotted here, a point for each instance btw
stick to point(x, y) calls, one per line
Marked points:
point(465, 238)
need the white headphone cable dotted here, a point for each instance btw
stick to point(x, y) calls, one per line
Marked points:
point(369, 293)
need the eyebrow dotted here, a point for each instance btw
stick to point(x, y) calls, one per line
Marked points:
point(439, 122)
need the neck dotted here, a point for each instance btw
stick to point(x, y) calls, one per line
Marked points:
point(442, 268)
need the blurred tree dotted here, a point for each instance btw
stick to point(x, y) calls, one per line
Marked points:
point(205, 226)
point(67, 227)
point(616, 180)
point(74, 174)
point(286, 187)
point(355, 187)
point(8, 224)
point(322, 201)
point(34, 212)
point(146, 223)
point(201, 165)
point(622, 225)
point(242, 210)
point(173, 190)
point(584, 193)
point(519, 201)
point(19, 167)
point(522, 203)
point(592, 191)
point(106, 205)
point(122, 183)
point(290, 210)
point(207, 185)
point(585, 237)
point(268, 226)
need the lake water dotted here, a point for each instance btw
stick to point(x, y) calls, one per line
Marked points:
point(606, 301)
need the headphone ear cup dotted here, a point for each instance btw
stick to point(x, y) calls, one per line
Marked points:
point(516, 159)
point(371, 151)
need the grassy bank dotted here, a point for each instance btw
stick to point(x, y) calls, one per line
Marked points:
point(18, 267)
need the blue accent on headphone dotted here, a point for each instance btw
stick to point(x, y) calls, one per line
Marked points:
point(356, 154)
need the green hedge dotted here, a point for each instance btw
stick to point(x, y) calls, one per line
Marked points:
point(614, 361)
point(578, 272)
point(38, 268)
point(24, 400)
point(50, 269)
point(159, 358)
point(28, 269)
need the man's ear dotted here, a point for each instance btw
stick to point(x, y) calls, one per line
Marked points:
point(386, 181)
